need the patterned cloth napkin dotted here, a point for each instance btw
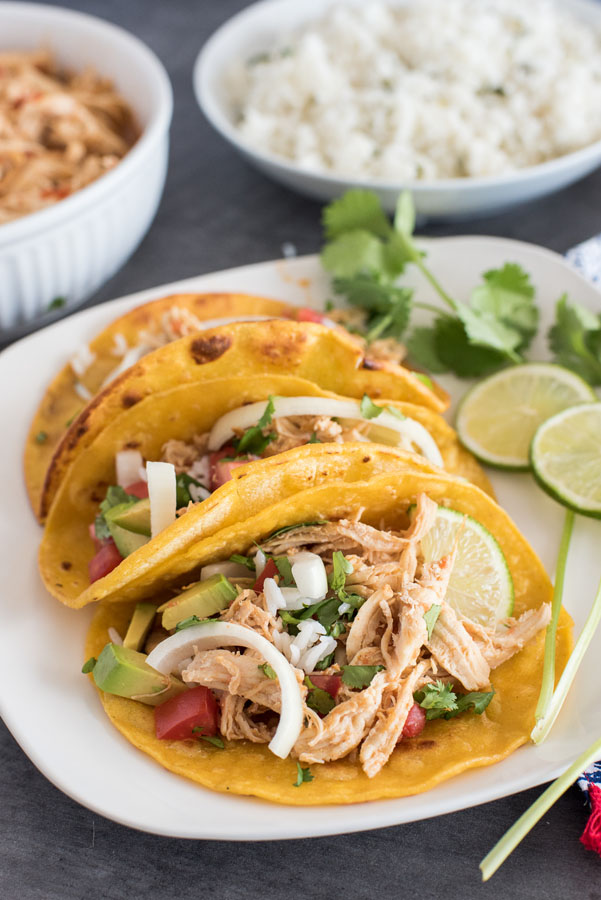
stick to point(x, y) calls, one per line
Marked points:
point(586, 258)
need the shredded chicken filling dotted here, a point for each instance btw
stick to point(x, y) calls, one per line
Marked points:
point(392, 589)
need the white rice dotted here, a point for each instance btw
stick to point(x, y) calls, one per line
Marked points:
point(435, 89)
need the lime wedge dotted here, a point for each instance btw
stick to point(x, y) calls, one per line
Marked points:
point(498, 417)
point(566, 458)
point(481, 586)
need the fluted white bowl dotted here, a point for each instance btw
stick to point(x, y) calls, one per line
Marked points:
point(255, 29)
point(71, 248)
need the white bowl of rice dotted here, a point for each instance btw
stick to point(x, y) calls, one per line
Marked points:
point(474, 105)
point(55, 255)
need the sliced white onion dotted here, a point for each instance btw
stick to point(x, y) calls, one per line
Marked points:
point(121, 346)
point(227, 568)
point(273, 596)
point(169, 653)
point(245, 417)
point(130, 358)
point(294, 655)
point(309, 631)
point(162, 493)
point(293, 599)
point(82, 391)
point(128, 464)
point(309, 575)
point(82, 360)
point(115, 636)
point(282, 641)
point(315, 654)
point(343, 608)
point(198, 493)
point(260, 562)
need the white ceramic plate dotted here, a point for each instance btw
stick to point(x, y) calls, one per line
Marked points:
point(53, 710)
point(255, 29)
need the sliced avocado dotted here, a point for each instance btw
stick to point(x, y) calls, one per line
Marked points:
point(125, 673)
point(126, 541)
point(203, 599)
point(131, 516)
point(140, 625)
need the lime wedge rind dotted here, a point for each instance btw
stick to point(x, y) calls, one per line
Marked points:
point(565, 455)
point(498, 417)
point(481, 586)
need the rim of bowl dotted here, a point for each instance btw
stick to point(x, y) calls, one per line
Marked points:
point(159, 122)
point(214, 112)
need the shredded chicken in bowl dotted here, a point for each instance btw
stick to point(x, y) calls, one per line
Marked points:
point(59, 131)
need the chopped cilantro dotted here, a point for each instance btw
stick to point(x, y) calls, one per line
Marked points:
point(439, 700)
point(288, 528)
point(247, 561)
point(341, 567)
point(302, 774)
point(101, 529)
point(369, 409)
point(214, 740)
point(318, 699)
point(115, 495)
point(88, 665)
point(268, 671)
point(57, 303)
point(187, 623)
point(430, 618)
point(328, 660)
point(183, 482)
point(253, 441)
point(359, 677)
point(41, 437)
point(284, 567)
point(314, 439)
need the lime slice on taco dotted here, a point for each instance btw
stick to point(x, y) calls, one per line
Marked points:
point(481, 586)
point(498, 417)
point(566, 460)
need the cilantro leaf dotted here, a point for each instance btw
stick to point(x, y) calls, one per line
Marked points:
point(355, 210)
point(369, 409)
point(437, 699)
point(183, 482)
point(101, 529)
point(404, 214)
point(422, 349)
point(359, 677)
point(460, 356)
point(341, 567)
point(485, 330)
point(302, 775)
point(352, 253)
point(116, 495)
point(314, 439)
point(214, 740)
point(575, 339)
point(41, 437)
point(247, 561)
point(326, 662)
point(318, 699)
point(267, 670)
point(253, 441)
point(388, 307)
point(188, 623)
point(89, 664)
point(284, 567)
point(430, 618)
point(508, 295)
point(477, 701)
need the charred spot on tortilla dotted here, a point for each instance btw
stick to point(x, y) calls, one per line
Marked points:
point(131, 445)
point(207, 349)
point(129, 400)
point(366, 459)
point(425, 745)
point(66, 565)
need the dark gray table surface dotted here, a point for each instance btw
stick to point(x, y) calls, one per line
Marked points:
point(217, 212)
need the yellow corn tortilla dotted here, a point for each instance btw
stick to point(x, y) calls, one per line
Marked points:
point(61, 403)
point(329, 358)
point(443, 749)
point(66, 547)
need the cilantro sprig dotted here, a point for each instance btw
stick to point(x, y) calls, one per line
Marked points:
point(115, 496)
point(303, 774)
point(366, 253)
point(575, 340)
point(440, 701)
point(254, 441)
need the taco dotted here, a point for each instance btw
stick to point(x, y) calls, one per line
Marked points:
point(123, 343)
point(206, 430)
point(323, 648)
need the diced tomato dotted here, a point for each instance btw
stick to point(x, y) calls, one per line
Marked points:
point(415, 722)
point(329, 683)
point(139, 489)
point(306, 314)
point(104, 561)
point(221, 471)
point(175, 719)
point(270, 571)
